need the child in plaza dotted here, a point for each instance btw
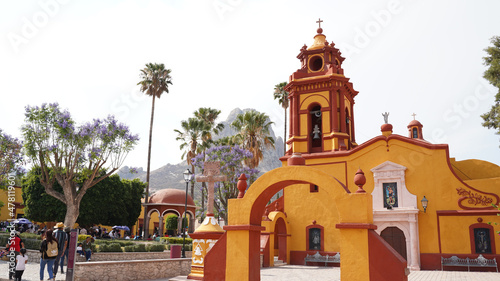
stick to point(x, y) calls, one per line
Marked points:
point(22, 260)
point(79, 249)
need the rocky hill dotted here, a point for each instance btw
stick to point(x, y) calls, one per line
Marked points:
point(170, 175)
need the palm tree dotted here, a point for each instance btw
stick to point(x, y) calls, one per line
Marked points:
point(253, 134)
point(155, 80)
point(282, 96)
point(209, 115)
point(194, 131)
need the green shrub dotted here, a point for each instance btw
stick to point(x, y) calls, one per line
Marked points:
point(25, 235)
point(140, 248)
point(113, 247)
point(171, 222)
point(129, 248)
point(187, 247)
point(33, 244)
point(108, 242)
point(29, 243)
point(155, 248)
point(176, 240)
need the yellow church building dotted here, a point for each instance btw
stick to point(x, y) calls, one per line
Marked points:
point(426, 205)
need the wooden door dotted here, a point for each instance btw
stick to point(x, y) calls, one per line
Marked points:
point(396, 238)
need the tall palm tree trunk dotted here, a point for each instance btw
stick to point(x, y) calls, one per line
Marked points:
point(145, 220)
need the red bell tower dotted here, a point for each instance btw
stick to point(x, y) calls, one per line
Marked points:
point(321, 100)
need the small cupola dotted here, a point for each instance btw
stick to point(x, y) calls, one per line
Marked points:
point(415, 129)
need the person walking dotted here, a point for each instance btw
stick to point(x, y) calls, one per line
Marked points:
point(62, 241)
point(14, 244)
point(49, 250)
point(21, 261)
point(64, 256)
point(87, 247)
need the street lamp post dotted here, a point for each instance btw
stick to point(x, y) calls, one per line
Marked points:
point(187, 178)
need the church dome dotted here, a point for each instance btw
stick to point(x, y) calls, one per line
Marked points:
point(415, 123)
point(171, 196)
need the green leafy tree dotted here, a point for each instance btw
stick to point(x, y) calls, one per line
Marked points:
point(155, 80)
point(253, 134)
point(73, 156)
point(171, 224)
point(492, 74)
point(282, 96)
point(110, 202)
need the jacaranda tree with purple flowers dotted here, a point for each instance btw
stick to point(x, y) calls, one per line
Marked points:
point(11, 158)
point(232, 165)
point(68, 153)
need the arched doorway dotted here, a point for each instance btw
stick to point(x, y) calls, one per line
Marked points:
point(280, 236)
point(245, 215)
point(396, 238)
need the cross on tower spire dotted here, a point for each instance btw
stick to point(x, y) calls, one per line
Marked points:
point(414, 116)
point(319, 21)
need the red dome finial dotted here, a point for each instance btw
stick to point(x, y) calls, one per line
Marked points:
point(360, 180)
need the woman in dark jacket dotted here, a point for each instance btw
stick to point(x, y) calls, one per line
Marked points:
point(48, 239)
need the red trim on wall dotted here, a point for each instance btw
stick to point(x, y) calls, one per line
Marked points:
point(206, 235)
point(350, 225)
point(249, 227)
point(473, 243)
point(322, 229)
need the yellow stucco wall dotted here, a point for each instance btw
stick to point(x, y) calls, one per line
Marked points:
point(428, 174)
point(18, 199)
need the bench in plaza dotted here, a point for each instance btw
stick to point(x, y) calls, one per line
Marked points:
point(319, 258)
point(477, 262)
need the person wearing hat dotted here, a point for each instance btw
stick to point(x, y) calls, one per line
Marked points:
point(62, 241)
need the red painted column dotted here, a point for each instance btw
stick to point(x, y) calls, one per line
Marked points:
point(342, 112)
point(353, 139)
point(296, 115)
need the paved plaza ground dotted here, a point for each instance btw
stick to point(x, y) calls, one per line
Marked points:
point(299, 273)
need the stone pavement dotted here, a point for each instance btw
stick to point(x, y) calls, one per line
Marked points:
point(314, 273)
point(296, 273)
point(31, 273)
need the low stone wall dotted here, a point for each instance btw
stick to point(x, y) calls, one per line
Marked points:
point(34, 256)
point(131, 270)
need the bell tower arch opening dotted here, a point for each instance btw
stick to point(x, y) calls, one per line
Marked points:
point(316, 126)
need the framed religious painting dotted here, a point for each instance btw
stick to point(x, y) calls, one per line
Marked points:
point(314, 239)
point(482, 240)
point(390, 190)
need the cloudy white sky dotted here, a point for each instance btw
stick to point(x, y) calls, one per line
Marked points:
point(404, 57)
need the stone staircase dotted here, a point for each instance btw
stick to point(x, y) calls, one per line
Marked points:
point(278, 262)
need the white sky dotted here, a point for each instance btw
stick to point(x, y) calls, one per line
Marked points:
point(402, 56)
